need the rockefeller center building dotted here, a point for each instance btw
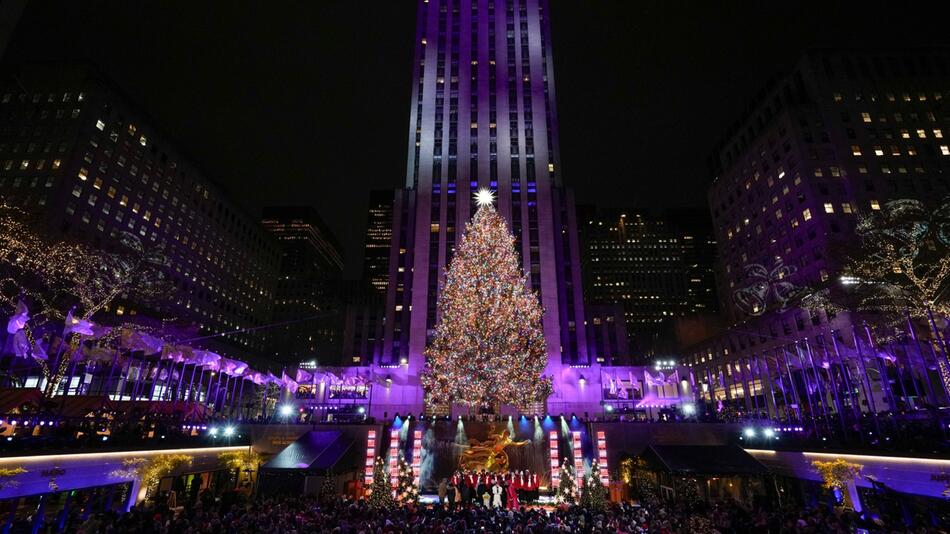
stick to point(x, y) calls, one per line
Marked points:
point(839, 139)
point(483, 115)
point(76, 153)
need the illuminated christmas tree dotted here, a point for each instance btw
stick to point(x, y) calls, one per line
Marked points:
point(406, 490)
point(381, 494)
point(489, 346)
point(567, 487)
point(594, 494)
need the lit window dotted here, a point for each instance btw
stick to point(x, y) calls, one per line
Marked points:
point(945, 150)
point(97, 183)
point(83, 174)
point(938, 133)
point(905, 134)
point(878, 151)
point(829, 207)
point(100, 125)
point(806, 214)
point(855, 151)
point(846, 207)
point(143, 141)
point(550, 167)
point(56, 163)
point(838, 97)
point(921, 133)
point(875, 205)
point(865, 116)
point(434, 228)
point(778, 214)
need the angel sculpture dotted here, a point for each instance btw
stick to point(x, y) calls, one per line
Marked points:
point(489, 455)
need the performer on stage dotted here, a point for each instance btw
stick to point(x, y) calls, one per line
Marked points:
point(481, 483)
point(513, 495)
point(497, 492)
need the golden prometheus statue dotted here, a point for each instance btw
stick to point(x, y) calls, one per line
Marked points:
point(489, 455)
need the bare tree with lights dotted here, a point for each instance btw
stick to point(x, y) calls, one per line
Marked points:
point(66, 284)
point(489, 347)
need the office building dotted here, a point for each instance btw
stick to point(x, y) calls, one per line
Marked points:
point(80, 155)
point(306, 301)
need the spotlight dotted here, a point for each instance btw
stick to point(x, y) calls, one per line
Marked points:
point(749, 432)
point(286, 410)
point(404, 361)
point(213, 431)
point(361, 409)
point(769, 433)
point(228, 431)
point(105, 438)
point(609, 407)
point(689, 409)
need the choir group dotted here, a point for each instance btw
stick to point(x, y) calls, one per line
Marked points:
point(495, 490)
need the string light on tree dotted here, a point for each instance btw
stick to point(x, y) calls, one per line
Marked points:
point(489, 347)
point(406, 490)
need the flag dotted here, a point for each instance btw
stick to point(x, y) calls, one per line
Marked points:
point(303, 376)
point(19, 319)
point(622, 390)
point(79, 326)
point(288, 382)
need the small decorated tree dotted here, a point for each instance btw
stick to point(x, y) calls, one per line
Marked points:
point(381, 495)
point(837, 474)
point(328, 488)
point(567, 488)
point(406, 491)
point(150, 472)
point(243, 461)
point(594, 493)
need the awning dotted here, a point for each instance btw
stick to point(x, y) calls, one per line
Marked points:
point(703, 460)
point(317, 450)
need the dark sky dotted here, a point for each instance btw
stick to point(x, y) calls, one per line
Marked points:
point(307, 102)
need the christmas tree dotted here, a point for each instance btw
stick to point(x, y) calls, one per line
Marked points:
point(567, 488)
point(328, 488)
point(594, 493)
point(489, 346)
point(406, 490)
point(381, 494)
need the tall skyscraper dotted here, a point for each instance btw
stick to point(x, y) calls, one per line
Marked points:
point(306, 298)
point(379, 235)
point(657, 267)
point(483, 116)
point(77, 152)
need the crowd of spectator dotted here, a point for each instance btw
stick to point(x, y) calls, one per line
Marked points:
point(286, 515)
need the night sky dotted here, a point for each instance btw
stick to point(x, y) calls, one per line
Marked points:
point(308, 102)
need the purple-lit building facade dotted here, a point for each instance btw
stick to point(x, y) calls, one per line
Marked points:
point(483, 115)
point(842, 135)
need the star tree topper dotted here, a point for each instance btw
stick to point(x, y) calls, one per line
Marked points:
point(484, 197)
